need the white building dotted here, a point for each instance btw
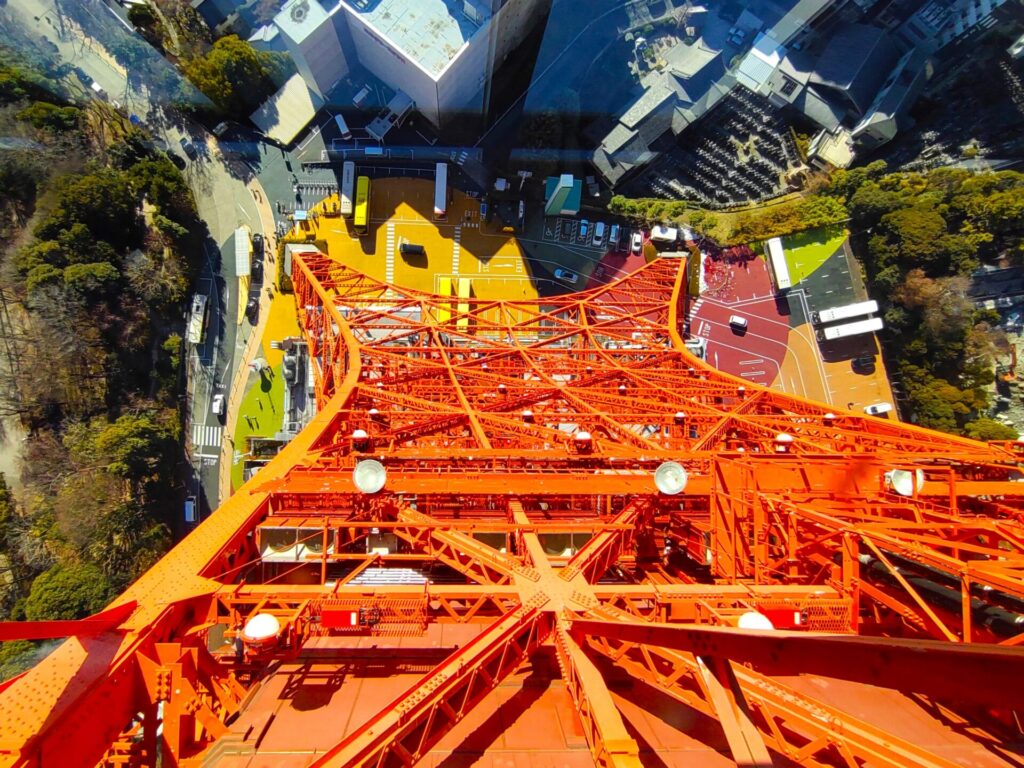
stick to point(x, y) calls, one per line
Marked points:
point(313, 41)
point(442, 54)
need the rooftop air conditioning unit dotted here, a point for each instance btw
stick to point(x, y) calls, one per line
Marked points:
point(300, 11)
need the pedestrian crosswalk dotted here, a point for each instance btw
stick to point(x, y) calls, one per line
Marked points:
point(455, 250)
point(389, 263)
point(204, 435)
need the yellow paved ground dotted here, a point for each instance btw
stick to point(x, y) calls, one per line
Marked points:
point(281, 323)
point(840, 386)
point(401, 211)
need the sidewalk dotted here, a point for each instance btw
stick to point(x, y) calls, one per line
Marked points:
point(252, 346)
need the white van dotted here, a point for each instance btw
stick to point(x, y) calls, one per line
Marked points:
point(877, 409)
point(343, 127)
point(599, 233)
point(736, 321)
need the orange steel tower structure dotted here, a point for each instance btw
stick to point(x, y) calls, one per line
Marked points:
point(544, 534)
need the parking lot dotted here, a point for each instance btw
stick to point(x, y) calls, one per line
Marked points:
point(778, 348)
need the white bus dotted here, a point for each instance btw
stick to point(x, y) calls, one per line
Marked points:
point(777, 264)
point(845, 313)
point(441, 192)
point(856, 328)
point(197, 320)
point(346, 134)
point(348, 182)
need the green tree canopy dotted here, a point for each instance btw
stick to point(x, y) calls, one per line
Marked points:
point(67, 591)
point(234, 75)
point(91, 279)
point(990, 429)
point(50, 117)
point(134, 445)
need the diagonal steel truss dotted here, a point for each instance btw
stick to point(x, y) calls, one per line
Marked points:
point(520, 441)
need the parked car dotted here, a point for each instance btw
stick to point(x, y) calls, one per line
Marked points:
point(189, 148)
point(584, 229)
point(599, 233)
point(613, 235)
point(252, 309)
point(864, 363)
point(566, 275)
point(257, 269)
point(877, 409)
point(738, 322)
point(637, 242)
point(257, 246)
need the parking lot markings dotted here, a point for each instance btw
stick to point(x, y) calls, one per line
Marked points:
point(455, 250)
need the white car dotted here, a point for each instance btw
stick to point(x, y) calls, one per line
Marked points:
point(566, 275)
point(877, 409)
point(217, 405)
point(736, 321)
point(637, 242)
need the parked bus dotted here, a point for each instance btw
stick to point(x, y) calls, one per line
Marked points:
point(845, 313)
point(197, 319)
point(777, 264)
point(361, 223)
point(856, 328)
point(444, 311)
point(462, 323)
point(346, 134)
point(348, 182)
point(441, 192)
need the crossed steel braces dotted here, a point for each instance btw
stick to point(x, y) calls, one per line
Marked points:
point(507, 429)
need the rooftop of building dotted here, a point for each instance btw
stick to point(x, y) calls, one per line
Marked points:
point(430, 32)
point(856, 61)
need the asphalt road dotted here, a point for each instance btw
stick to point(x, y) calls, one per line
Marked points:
point(224, 203)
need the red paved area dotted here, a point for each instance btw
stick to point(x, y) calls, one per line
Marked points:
point(741, 287)
point(614, 265)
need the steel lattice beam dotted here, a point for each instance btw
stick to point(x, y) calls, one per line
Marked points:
point(479, 418)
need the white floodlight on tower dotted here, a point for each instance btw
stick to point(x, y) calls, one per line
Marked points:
point(369, 476)
point(671, 478)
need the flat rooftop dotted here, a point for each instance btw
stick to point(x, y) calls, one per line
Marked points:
point(430, 32)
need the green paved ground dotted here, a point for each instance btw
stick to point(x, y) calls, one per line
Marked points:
point(263, 403)
point(807, 251)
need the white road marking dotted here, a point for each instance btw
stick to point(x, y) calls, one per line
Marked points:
point(204, 435)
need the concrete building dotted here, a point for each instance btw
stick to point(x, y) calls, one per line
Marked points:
point(442, 54)
point(563, 195)
point(313, 40)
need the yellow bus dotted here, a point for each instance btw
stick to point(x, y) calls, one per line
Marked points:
point(361, 223)
point(444, 310)
point(464, 291)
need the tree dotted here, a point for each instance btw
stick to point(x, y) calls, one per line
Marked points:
point(234, 75)
point(990, 429)
point(104, 201)
point(870, 203)
point(134, 445)
point(142, 16)
point(67, 591)
point(918, 233)
point(50, 117)
point(6, 514)
point(91, 279)
point(41, 276)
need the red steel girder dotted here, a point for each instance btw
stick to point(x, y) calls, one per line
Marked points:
point(443, 397)
point(910, 666)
